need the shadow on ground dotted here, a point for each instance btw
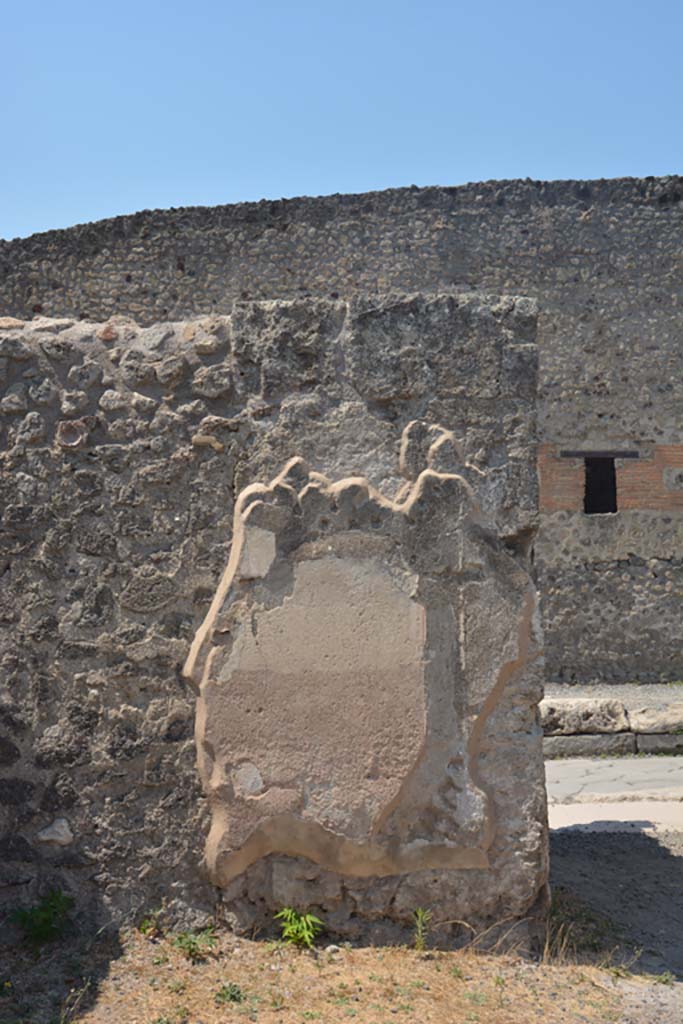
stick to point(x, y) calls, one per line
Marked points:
point(632, 879)
point(57, 982)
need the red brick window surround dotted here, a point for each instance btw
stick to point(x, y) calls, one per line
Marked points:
point(643, 481)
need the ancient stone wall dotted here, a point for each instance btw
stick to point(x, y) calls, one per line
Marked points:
point(123, 449)
point(625, 571)
point(602, 258)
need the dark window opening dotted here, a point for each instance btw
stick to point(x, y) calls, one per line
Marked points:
point(601, 486)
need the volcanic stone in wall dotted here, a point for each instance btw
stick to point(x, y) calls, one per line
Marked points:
point(348, 668)
point(122, 449)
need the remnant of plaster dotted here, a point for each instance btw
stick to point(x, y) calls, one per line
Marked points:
point(331, 657)
point(257, 555)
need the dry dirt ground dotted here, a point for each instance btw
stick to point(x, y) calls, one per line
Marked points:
point(616, 957)
point(136, 978)
point(153, 982)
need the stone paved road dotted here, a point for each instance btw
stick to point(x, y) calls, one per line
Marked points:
point(575, 780)
point(630, 694)
point(626, 794)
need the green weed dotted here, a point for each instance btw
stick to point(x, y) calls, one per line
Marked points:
point(180, 1016)
point(421, 921)
point(299, 929)
point(45, 921)
point(151, 926)
point(499, 982)
point(229, 993)
point(196, 946)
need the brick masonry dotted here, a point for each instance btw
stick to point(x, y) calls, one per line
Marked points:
point(560, 481)
point(653, 481)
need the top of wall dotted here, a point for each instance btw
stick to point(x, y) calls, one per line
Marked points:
point(521, 193)
point(167, 264)
point(601, 257)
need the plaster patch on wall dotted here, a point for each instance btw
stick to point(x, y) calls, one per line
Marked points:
point(341, 674)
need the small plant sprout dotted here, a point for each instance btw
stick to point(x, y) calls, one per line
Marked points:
point(499, 982)
point(229, 993)
point(150, 926)
point(47, 920)
point(299, 929)
point(422, 919)
point(196, 945)
point(277, 1001)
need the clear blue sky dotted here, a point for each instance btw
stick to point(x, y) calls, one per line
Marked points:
point(108, 108)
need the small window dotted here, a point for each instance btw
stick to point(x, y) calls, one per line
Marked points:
point(600, 495)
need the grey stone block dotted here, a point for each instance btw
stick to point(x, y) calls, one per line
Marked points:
point(660, 743)
point(580, 715)
point(126, 513)
point(667, 719)
point(609, 745)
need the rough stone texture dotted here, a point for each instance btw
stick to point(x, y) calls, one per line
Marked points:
point(122, 450)
point(657, 719)
point(660, 743)
point(57, 832)
point(581, 716)
point(602, 258)
point(654, 728)
point(623, 622)
point(605, 745)
point(352, 656)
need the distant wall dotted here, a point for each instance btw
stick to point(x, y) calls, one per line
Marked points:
point(612, 585)
point(603, 258)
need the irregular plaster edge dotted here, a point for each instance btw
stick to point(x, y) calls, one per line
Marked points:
point(288, 835)
point(195, 664)
point(507, 672)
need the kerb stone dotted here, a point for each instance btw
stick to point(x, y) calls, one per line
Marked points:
point(579, 716)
